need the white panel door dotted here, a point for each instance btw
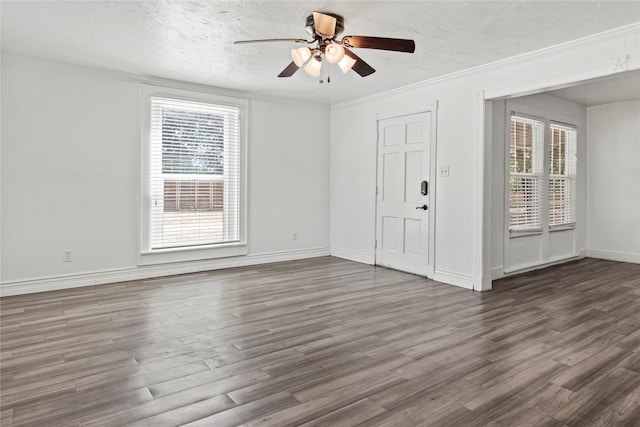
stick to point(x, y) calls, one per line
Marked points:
point(402, 223)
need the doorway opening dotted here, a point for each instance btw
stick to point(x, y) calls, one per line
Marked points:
point(563, 214)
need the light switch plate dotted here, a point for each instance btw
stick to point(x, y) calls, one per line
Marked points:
point(444, 171)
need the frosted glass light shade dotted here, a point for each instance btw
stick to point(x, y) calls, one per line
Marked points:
point(346, 63)
point(300, 55)
point(313, 66)
point(334, 53)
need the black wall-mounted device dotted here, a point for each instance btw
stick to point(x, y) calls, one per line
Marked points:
point(424, 188)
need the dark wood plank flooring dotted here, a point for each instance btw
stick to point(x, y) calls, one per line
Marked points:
point(328, 342)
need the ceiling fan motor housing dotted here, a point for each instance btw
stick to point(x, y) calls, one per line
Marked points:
point(310, 28)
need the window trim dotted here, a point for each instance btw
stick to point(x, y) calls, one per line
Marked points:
point(540, 175)
point(567, 177)
point(148, 256)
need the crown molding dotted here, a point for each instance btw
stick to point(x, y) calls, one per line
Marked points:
point(162, 82)
point(613, 34)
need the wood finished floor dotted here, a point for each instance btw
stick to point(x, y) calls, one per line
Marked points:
point(328, 342)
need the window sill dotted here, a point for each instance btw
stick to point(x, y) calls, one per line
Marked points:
point(164, 256)
point(564, 227)
point(515, 234)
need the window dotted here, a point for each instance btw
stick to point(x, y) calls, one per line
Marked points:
point(562, 175)
point(193, 174)
point(530, 173)
point(526, 174)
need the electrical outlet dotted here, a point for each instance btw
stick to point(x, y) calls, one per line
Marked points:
point(444, 171)
point(67, 255)
point(294, 235)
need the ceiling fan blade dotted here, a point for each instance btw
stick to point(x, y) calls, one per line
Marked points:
point(382, 43)
point(360, 67)
point(289, 71)
point(325, 25)
point(272, 40)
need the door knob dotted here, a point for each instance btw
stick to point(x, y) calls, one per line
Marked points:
point(423, 207)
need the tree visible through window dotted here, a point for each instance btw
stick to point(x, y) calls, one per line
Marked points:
point(192, 142)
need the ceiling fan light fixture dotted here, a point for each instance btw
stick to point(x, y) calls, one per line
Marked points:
point(334, 53)
point(346, 63)
point(323, 27)
point(313, 66)
point(301, 55)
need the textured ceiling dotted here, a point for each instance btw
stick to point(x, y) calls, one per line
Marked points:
point(618, 87)
point(193, 40)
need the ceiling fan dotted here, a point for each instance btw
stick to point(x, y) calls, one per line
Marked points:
point(324, 27)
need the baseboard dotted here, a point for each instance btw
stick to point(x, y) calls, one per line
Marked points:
point(614, 255)
point(456, 279)
point(353, 255)
point(20, 287)
point(497, 272)
point(525, 268)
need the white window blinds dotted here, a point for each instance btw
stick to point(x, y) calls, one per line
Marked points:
point(526, 174)
point(562, 175)
point(194, 174)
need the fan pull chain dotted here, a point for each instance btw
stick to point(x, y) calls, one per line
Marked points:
point(328, 74)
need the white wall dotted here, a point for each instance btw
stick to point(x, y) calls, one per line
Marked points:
point(70, 178)
point(288, 177)
point(461, 229)
point(613, 225)
point(353, 173)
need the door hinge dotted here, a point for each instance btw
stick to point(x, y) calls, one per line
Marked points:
point(375, 245)
point(376, 190)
